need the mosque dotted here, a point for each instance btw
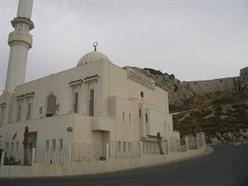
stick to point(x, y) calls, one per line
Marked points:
point(95, 102)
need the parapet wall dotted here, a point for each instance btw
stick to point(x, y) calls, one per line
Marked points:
point(230, 84)
point(213, 86)
point(244, 78)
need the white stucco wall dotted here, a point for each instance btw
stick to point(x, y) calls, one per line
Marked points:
point(117, 107)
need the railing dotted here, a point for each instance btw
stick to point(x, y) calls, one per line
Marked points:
point(86, 152)
point(174, 144)
point(52, 156)
point(124, 149)
point(196, 141)
point(96, 152)
point(151, 148)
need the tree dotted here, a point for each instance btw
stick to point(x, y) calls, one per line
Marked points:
point(172, 76)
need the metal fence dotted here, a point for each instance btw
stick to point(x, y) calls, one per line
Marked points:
point(151, 148)
point(193, 141)
point(96, 152)
point(52, 156)
point(174, 144)
point(87, 152)
point(124, 149)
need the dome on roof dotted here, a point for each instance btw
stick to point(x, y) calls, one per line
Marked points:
point(92, 57)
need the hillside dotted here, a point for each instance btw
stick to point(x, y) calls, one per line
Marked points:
point(218, 107)
point(181, 91)
point(178, 92)
point(223, 118)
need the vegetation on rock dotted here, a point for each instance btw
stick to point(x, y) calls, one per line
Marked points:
point(153, 71)
point(224, 117)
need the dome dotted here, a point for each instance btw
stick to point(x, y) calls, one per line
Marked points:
point(92, 57)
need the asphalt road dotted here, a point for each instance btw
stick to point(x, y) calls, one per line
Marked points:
point(227, 165)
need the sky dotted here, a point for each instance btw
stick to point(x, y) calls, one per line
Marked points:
point(192, 39)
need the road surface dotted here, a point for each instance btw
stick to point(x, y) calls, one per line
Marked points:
point(227, 165)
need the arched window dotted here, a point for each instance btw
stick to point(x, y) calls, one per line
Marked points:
point(92, 102)
point(76, 102)
point(51, 105)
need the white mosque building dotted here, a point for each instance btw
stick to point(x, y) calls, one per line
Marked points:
point(95, 102)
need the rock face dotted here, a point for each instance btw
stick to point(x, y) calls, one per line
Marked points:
point(217, 107)
point(179, 91)
point(244, 79)
point(220, 121)
point(240, 136)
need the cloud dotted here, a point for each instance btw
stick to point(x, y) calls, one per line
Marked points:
point(192, 39)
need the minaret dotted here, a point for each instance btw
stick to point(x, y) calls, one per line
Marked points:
point(20, 41)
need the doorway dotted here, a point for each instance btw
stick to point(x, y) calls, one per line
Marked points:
point(32, 140)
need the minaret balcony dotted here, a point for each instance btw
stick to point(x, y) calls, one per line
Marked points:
point(24, 20)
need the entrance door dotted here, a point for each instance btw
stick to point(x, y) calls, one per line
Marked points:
point(32, 139)
point(105, 140)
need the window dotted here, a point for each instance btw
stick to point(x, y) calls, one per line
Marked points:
point(53, 145)
point(142, 94)
point(28, 111)
point(129, 118)
point(140, 113)
point(76, 102)
point(19, 110)
point(47, 145)
point(17, 146)
point(2, 115)
point(60, 144)
point(123, 116)
point(129, 147)
point(91, 103)
point(124, 146)
point(119, 146)
point(12, 147)
point(146, 117)
point(51, 105)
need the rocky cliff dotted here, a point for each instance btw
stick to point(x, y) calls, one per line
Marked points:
point(178, 92)
point(181, 91)
point(223, 118)
point(217, 107)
